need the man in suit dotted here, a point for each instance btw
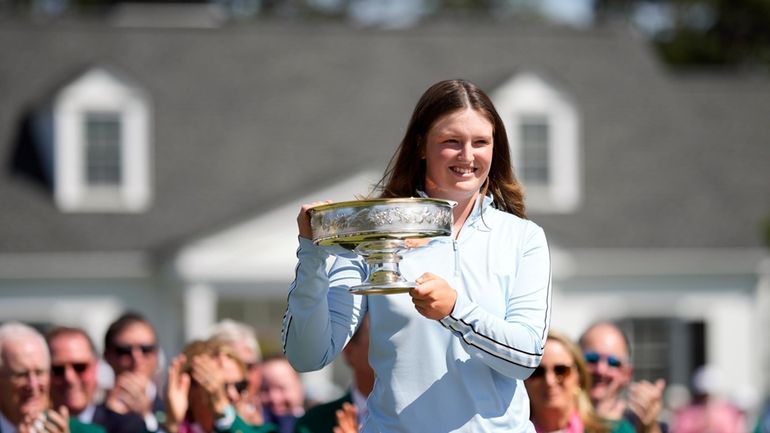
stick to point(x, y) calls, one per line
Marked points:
point(73, 382)
point(323, 418)
point(24, 386)
point(282, 393)
point(131, 349)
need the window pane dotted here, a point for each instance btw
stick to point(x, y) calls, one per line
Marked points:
point(665, 347)
point(103, 148)
point(534, 138)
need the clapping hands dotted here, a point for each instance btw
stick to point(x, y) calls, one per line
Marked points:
point(51, 421)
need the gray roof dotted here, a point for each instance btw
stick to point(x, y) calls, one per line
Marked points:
point(247, 117)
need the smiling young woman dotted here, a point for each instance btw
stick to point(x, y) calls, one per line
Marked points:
point(451, 354)
point(406, 172)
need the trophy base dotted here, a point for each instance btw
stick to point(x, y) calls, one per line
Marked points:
point(382, 289)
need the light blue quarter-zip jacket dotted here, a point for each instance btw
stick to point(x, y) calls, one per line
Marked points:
point(463, 373)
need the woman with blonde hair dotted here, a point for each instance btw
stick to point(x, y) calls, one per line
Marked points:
point(558, 392)
point(205, 385)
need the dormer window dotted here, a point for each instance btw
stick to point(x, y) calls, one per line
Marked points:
point(534, 136)
point(542, 126)
point(103, 149)
point(102, 145)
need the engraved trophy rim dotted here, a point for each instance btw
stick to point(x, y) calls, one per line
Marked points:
point(378, 201)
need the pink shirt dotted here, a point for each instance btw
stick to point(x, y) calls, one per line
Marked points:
point(712, 417)
point(574, 425)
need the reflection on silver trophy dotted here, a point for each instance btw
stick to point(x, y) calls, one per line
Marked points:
point(379, 230)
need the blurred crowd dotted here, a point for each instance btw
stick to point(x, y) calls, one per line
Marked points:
point(49, 383)
point(587, 386)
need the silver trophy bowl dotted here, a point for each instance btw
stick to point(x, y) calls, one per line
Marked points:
point(379, 230)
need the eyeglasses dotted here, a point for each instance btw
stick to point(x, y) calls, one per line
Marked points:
point(60, 370)
point(128, 349)
point(595, 357)
point(239, 386)
point(560, 371)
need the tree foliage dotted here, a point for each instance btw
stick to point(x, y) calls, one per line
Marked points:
point(705, 32)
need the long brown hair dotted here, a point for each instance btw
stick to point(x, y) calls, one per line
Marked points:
point(591, 421)
point(406, 170)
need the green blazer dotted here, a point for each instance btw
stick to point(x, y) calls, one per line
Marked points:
point(622, 426)
point(79, 427)
point(321, 418)
point(240, 426)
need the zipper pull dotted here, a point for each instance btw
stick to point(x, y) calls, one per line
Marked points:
point(457, 257)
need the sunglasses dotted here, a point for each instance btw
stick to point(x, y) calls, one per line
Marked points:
point(595, 357)
point(60, 370)
point(239, 386)
point(128, 349)
point(560, 371)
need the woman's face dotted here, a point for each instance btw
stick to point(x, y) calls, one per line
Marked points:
point(458, 155)
point(554, 386)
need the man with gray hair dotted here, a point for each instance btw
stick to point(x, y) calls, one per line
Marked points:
point(24, 386)
point(243, 339)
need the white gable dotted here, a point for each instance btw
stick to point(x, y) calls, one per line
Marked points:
point(262, 249)
point(527, 96)
point(100, 92)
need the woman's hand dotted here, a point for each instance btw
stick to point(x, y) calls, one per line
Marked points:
point(433, 297)
point(177, 394)
point(207, 372)
point(303, 219)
